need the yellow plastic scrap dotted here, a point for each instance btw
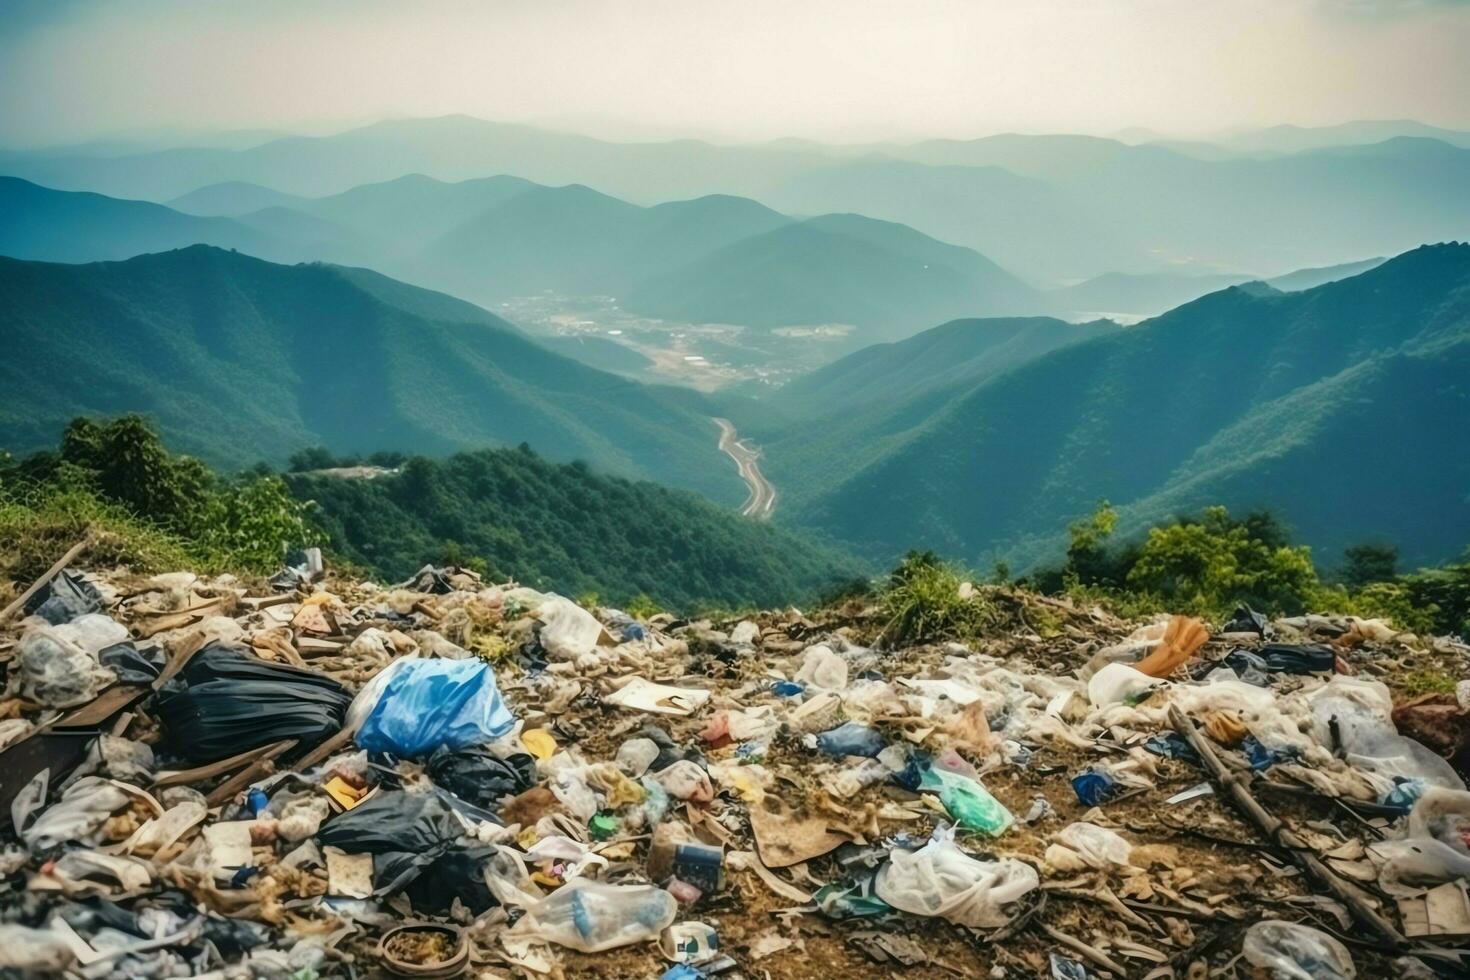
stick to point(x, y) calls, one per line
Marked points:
point(619, 789)
point(344, 793)
point(539, 743)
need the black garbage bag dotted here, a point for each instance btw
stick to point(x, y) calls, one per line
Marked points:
point(457, 873)
point(440, 581)
point(226, 701)
point(1299, 658)
point(64, 598)
point(133, 666)
point(1246, 620)
point(410, 835)
point(479, 776)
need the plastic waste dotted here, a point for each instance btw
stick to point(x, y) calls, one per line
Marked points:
point(1120, 684)
point(1444, 815)
point(78, 815)
point(226, 700)
point(685, 780)
point(428, 704)
point(1098, 846)
point(591, 916)
point(969, 804)
point(1094, 787)
point(479, 775)
point(1284, 658)
point(850, 901)
point(941, 880)
point(567, 630)
point(1246, 620)
point(1065, 968)
point(822, 669)
point(34, 952)
point(1409, 865)
point(131, 665)
point(852, 738)
point(1182, 639)
point(689, 942)
point(59, 665)
point(407, 833)
point(1171, 745)
point(636, 755)
point(64, 598)
point(1296, 952)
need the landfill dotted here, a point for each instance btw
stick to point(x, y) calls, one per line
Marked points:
point(315, 776)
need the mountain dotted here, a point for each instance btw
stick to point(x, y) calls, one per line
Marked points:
point(61, 226)
point(712, 259)
point(1149, 294)
point(835, 269)
point(1070, 207)
point(567, 528)
point(1296, 139)
point(232, 198)
point(1308, 278)
point(1344, 407)
point(961, 352)
point(238, 359)
point(1050, 207)
point(1141, 294)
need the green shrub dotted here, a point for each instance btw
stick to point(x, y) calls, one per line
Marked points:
point(922, 603)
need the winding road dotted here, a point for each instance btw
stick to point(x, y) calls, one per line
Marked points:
point(762, 499)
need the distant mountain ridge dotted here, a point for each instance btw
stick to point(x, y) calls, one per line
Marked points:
point(712, 259)
point(1050, 207)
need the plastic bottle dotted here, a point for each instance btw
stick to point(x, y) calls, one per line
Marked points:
point(591, 916)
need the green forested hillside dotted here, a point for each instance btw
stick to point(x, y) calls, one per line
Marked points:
point(237, 360)
point(1345, 408)
point(566, 528)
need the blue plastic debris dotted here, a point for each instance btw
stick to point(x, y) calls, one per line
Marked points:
point(1094, 786)
point(429, 703)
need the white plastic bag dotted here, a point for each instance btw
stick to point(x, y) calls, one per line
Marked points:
point(1295, 952)
point(58, 664)
point(822, 669)
point(1119, 683)
point(1098, 846)
point(568, 631)
point(941, 880)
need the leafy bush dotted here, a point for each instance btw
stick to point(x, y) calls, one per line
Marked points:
point(155, 509)
point(922, 602)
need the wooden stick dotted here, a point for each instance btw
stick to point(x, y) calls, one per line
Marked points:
point(1276, 831)
point(319, 754)
point(254, 772)
point(1085, 950)
point(213, 769)
point(50, 573)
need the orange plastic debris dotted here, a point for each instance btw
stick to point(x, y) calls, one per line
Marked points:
point(1182, 639)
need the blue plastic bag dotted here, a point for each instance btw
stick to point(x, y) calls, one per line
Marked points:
point(429, 703)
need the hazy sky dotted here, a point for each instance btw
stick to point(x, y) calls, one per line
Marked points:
point(736, 69)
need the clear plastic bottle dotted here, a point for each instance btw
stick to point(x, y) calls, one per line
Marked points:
point(591, 916)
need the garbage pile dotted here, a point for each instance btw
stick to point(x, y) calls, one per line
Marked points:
point(317, 777)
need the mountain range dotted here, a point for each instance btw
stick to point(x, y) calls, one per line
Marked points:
point(1050, 208)
point(713, 259)
point(237, 359)
point(1342, 407)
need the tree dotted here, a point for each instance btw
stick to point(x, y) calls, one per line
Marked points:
point(1366, 563)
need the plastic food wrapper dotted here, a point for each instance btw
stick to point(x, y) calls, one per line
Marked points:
point(591, 916)
point(641, 694)
point(1296, 952)
point(428, 704)
point(941, 880)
